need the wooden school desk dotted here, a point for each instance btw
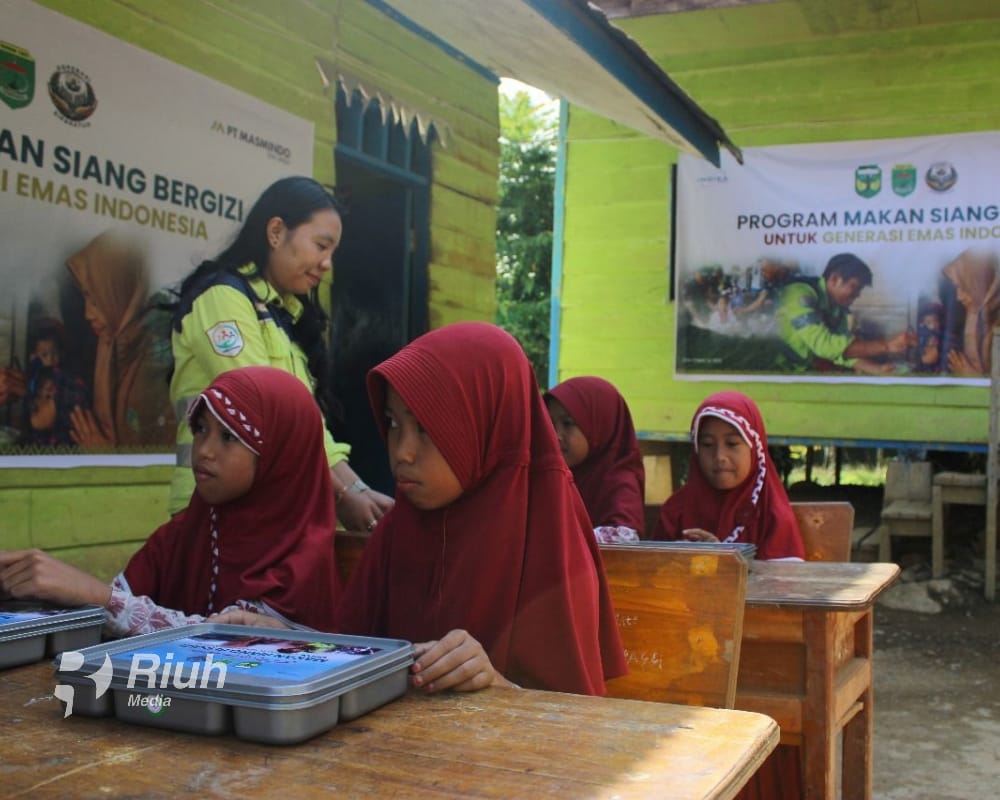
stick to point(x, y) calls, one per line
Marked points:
point(806, 661)
point(494, 743)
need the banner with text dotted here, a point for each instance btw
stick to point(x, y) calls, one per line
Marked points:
point(873, 261)
point(120, 171)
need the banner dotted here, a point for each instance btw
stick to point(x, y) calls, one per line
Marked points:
point(120, 172)
point(871, 261)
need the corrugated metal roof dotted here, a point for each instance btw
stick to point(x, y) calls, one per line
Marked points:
point(568, 49)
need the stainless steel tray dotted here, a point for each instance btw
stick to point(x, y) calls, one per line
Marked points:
point(30, 630)
point(262, 684)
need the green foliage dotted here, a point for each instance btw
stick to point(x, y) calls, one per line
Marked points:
point(524, 226)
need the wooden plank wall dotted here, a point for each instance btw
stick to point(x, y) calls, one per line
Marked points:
point(97, 516)
point(786, 72)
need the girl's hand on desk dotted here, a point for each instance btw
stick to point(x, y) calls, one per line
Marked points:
point(239, 616)
point(457, 662)
point(37, 575)
point(699, 535)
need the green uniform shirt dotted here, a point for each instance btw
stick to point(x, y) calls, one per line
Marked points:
point(811, 326)
point(222, 332)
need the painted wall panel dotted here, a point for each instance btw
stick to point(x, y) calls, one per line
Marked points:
point(268, 50)
point(774, 73)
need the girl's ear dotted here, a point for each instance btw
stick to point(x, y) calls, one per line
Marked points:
point(275, 231)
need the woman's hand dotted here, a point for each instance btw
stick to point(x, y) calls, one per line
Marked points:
point(699, 535)
point(86, 430)
point(959, 364)
point(867, 366)
point(901, 342)
point(37, 575)
point(240, 617)
point(361, 511)
point(456, 662)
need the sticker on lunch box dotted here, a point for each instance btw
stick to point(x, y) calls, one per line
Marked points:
point(278, 659)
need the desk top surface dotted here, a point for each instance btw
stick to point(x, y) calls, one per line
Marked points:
point(832, 585)
point(493, 743)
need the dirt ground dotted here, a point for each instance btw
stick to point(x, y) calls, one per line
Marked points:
point(937, 676)
point(937, 704)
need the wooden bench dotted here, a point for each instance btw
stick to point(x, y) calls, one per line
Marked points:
point(826, 529)
point(680, 615)
point(906, 509)
point(952, 488)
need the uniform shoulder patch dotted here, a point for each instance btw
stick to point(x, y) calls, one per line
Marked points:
point(226, 338)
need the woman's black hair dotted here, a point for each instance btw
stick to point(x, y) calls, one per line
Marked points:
point(293, 199)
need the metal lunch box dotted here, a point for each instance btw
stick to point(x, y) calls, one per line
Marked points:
point(746, 549)
point(263, 684)
point(31, 630)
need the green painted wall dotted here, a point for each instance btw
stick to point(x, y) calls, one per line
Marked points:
point(96, 517)
point(786, 72)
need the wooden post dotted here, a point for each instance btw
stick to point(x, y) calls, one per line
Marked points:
point(991, 470)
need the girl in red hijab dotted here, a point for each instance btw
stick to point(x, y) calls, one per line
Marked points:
point(487, 561)
point(733, 492)
point(598, 441)
point(257, 534)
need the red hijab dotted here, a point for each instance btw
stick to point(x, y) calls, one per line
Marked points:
point(513, 560)
point(273, 544)
point(757, 511)
point(611, 479)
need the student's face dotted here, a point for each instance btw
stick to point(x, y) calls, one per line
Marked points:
point(47, 352)
point(300, 256)
point(723, 457)
point(43, 407)
point(91, 313)
point(223, 466)
point(843, 291)
point(420, 470)
point(572, 442)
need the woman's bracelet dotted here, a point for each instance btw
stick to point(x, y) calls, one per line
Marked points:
point(358, 486)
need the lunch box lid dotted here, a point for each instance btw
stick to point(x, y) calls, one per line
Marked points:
point(22, 618)
point(258, 673)
point(746, 549)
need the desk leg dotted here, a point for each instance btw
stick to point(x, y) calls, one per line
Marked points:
point(856, 766)
point(819, 739)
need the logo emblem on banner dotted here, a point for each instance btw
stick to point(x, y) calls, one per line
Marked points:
point(868, 180)
point(904, 179)
point(72, 94)
point(17, 76)
point(941, 176)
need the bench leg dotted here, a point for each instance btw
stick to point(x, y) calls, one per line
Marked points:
point(856, 764)
point(884, 544)
point(991, 554)
point(937, 533)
